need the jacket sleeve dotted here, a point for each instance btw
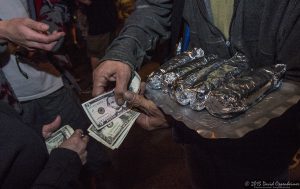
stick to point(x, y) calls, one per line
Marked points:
point(61, 171)
point(289, 41)
point(145, 26)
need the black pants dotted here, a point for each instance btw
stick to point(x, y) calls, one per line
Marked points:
point(23, 154)
point(65, 103)
point(261, 155)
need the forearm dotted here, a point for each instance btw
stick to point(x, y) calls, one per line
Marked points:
point(147, 24)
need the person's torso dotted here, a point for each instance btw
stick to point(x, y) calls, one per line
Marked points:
point(39, 83)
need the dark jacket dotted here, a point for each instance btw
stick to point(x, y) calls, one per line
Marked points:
point(24, 160)
point(267, 31)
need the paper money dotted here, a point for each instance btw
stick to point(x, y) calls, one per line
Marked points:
point(103, 109)
point(113, 133)
point(58, 137)
point(135, 83)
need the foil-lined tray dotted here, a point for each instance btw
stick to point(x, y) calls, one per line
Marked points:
point(208, 126)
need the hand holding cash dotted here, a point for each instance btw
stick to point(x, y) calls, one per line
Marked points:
point(67, 138)
point(77, 143)
point(151, 117)
point(111, 122)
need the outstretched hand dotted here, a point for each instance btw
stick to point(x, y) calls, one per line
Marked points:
point(29, 33)
point(151, 117)
point(112, 71)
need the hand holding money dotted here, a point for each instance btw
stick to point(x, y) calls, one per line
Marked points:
point(112, 71)
point(77, 143)
point(151, 117)
point(111, 122)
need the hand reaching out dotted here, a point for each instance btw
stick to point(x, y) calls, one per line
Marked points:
point(29, 33)
point(151, 117)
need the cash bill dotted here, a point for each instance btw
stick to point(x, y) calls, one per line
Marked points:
point(103, 109)
point(58, 137)
point(113, 133)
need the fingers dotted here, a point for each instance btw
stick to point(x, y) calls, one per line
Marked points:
point(38, 26)
point(83, 157)
point(77, 143)
point(142, 88)
point(151, 122)
point(110, 71)
point(121, 86)
point(48, 129)
point(36, 45)
point(78, 133)
point(137, 101)
point(41, 40)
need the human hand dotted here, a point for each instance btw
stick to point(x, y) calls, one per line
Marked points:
point(77, 143)
point(112, 71)
point(29, 33)
point(151, 117)
point(48, 129)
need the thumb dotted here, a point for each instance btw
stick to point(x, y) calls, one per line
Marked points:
point(48, 129)
point(121, 86)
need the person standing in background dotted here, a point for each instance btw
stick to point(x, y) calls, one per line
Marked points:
point(102, 24)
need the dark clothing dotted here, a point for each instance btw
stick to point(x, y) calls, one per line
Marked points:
point(65, 103)
point(267, 32)
point(263, 154)
point(24, 160)
point(101, 17)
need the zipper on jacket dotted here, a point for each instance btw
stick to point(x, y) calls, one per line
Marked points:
point(226, 42)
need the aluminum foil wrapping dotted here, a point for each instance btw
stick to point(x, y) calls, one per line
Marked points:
point(169, 78)
point(181, 90)
point(230, 69)
point(155, 78)
point(238, 95)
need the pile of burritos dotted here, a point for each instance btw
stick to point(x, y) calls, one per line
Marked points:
point(224, 87)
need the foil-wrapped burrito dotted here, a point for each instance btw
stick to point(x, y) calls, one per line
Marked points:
point(217, 74)
point(170, 77)
point(155, 79)
point(181, 90)
point(238, 95)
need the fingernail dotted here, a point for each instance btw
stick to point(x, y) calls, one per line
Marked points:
point(120, 101)
point(128, 96)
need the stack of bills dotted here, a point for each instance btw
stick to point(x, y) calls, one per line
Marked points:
point(58, 137)
point(111, 122)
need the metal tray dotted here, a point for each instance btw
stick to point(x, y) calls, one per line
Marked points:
point(208, 126)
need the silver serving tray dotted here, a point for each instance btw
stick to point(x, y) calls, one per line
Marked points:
point(208, 126)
